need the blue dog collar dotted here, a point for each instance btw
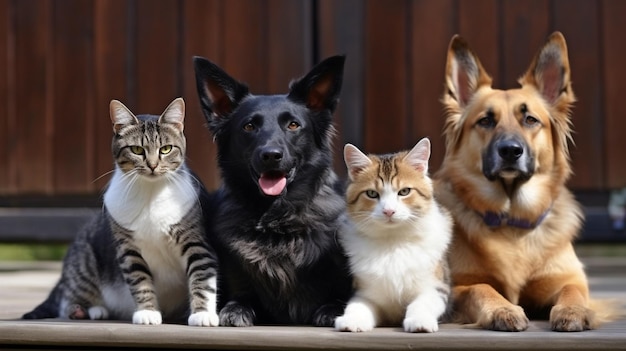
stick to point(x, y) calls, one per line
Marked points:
point(494, 219)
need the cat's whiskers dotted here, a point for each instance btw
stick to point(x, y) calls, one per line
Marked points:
point(133, 176)
point(177, 180)
point(103, 175)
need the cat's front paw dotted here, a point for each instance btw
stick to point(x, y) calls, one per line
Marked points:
point(147, 317)
point(204, 319)
point(235, 314)
point(354, 323)
point(420, 324)
point(98, 312)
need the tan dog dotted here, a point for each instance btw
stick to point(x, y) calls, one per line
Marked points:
point(503, 178)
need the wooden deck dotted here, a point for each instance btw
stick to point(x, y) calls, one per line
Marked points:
point(24, 286)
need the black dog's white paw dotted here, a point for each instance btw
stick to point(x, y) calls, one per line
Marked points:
point(235, 314)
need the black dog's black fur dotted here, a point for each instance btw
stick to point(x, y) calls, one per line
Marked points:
point(280, 260)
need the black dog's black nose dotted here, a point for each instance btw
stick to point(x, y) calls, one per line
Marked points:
point(271, 155)
point(510, 150)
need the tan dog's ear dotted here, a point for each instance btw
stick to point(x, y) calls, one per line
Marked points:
point(464, 74)
point(549, 72)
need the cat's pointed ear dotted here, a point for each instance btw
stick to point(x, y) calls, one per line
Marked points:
point(174, 114)
point(418, 156)
point(464, 74)
point(120, 115)
point(319, 89)
point(219, 93)
point(356, 161)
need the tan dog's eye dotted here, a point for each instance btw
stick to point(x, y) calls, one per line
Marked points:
point(487, 122)
point(531, 121)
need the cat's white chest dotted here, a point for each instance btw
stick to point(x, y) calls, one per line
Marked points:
point(147, 208)
point(398, 267)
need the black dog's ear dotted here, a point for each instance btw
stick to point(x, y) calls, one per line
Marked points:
point(219, 93)
point(320, 88)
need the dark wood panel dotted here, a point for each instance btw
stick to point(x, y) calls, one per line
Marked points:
point(429, 43)
point(524, 31)
point(341, 26)
point(201, 21)
point(72, 145)
point(386, 76)
point(244, 51)
point(578, 21)
point(157, 79)
point(6, 124)
point(33, 95)
point(289, 42)
point(111, 53)
point(59, 73)
point(614, 52)
point(478, 23)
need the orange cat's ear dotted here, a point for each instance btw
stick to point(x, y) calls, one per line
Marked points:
point(356, 161)
point(418, 156)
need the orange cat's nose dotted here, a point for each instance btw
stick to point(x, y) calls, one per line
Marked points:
point(389, 212)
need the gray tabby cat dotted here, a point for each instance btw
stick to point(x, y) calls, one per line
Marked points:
point(145, 257)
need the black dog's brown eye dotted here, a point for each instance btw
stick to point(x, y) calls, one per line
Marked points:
point(293, 125)
point(248, 127)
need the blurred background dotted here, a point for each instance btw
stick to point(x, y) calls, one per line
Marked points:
point(62, 61)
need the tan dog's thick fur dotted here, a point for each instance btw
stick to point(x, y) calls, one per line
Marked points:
point(503, 178)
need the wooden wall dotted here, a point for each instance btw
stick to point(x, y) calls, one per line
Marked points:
point(62, 61)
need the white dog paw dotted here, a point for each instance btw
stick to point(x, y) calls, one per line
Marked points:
point(353, 324)
point(204, 319)
point(98, 312)
point(420, 324)
point(147, 317)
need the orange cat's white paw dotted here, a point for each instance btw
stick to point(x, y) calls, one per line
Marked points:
point(354, 323)
point(147, 317)
point(420, 324)
point(204, 319)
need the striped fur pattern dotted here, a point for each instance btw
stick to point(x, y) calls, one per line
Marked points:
point(397, 244)
point(145, 258)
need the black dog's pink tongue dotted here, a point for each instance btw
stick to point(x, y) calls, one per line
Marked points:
point(272, 184)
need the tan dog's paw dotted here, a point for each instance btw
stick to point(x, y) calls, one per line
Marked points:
point(509, 318)
point(571, 318)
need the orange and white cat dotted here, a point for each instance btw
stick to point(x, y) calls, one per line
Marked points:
point(396, 242)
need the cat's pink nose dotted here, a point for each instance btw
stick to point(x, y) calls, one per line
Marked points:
point(388, 212)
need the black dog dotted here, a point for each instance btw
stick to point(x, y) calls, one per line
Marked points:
point(280, 205)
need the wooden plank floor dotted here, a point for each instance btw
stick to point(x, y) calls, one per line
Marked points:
point(23, 286)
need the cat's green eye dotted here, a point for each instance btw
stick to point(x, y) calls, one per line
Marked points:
point(404, 191)
point(137, 150)
point(372, 194)
point(164, 150)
